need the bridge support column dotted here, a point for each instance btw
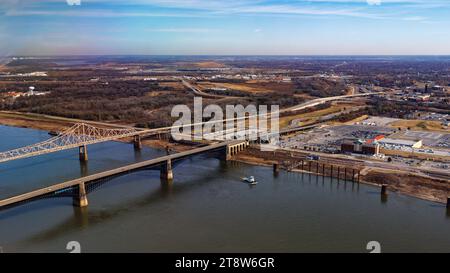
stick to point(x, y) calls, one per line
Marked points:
point(137, 142)
point(81, 200)
point(228, 152)
point(83, 153)
point(276, 168)
point(448, 206)
point(166, 171)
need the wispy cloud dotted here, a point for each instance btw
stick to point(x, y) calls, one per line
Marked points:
point(370, 9)
point(182, 30)
point(374, 2)
point(97, 13)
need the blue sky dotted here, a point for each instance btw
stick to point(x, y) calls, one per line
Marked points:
point(275, 27)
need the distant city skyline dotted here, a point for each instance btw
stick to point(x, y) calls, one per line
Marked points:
point(214, 27)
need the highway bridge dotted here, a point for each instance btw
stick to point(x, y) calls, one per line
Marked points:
point(79, 188)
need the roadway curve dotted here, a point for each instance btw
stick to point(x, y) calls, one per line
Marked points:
point(315, 102)
point(200, 93)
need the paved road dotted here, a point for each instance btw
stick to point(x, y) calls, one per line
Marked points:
point(200, 93)
point(316, 102)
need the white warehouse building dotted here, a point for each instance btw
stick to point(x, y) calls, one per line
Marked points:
point(417, 144)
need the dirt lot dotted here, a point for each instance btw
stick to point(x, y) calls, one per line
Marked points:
point(421, 187)
point(163, 144)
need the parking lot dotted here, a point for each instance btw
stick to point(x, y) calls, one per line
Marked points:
point(431, 139)
point(331, 137)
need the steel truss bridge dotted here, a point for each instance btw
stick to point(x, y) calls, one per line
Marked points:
point(80, 134)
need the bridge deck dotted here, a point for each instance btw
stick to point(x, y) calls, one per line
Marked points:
point(98, 176)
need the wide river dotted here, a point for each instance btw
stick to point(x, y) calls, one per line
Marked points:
point(207, 208)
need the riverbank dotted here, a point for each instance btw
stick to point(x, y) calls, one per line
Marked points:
point(411, 184)
point(31, 121)
point(50, 123)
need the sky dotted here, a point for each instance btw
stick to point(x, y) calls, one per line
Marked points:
point(224, 27)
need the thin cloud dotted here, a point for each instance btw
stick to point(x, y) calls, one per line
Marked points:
point(374, 2)
point(211, 8)
point(182, 30)
point(96, 13)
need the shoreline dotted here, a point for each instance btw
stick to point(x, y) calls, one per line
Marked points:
point(425, 188)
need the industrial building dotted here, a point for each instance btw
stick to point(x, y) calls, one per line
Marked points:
point(416, 144)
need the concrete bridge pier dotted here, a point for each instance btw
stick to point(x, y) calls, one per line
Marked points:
point(235, 149)
point(448, 206)
point(384, 188)
point(137, 142)
point(276, 169)
point(81, 199)
point(81, 216)
point(83, 153)
point(166, 171)
point(229, 152)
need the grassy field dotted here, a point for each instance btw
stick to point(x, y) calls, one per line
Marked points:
point(419, 125)
point(350, 122)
